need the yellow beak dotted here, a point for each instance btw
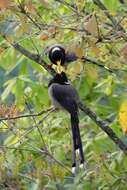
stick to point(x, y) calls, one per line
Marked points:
point(59, 67)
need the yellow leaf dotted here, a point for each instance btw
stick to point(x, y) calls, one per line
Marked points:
point(113, 13)
point(123, 116)
point(124, 22)
point(77, 49)
point(108, 91)
point(95, 50)
point(79, 52)
point(92, 26)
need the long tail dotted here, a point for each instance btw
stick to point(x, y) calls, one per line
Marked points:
point(77, 143)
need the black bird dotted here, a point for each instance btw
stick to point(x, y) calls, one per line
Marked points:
point(64, 95)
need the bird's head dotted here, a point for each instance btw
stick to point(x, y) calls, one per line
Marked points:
point(57, 56)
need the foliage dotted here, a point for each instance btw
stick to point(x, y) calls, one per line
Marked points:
point(35, 152)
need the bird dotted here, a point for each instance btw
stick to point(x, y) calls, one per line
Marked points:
point(64, 96)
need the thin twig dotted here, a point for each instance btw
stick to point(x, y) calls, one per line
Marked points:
point(53, 158)
point(39, 131)
point(22, 9)
point(33, 127)
point(15, 148)
point(26, 115)
point(93, 61)
point(34, 45)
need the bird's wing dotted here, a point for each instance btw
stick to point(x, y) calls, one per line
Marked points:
point(70, 57)
point(66, 96)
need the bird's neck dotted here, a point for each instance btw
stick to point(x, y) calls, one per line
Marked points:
point(58, 79)
point(58, 82)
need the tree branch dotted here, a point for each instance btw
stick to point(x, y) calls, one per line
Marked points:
point(33, 57)
point(104, 126)
point(26, 115)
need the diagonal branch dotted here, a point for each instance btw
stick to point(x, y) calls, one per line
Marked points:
point(33, 57)
point(104, 126)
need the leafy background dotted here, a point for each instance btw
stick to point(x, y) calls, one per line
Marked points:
point(35, 152)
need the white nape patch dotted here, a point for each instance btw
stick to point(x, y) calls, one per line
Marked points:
point(55, 49)
point(77, 152)
point(73, 170)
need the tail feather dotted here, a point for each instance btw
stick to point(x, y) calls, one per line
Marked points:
point(77, 143)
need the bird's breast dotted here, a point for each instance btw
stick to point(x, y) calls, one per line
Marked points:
point(51, 96)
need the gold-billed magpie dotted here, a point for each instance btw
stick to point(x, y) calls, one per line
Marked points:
point(64, 95)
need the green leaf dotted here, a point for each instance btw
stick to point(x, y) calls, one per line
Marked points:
point(8, 89)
